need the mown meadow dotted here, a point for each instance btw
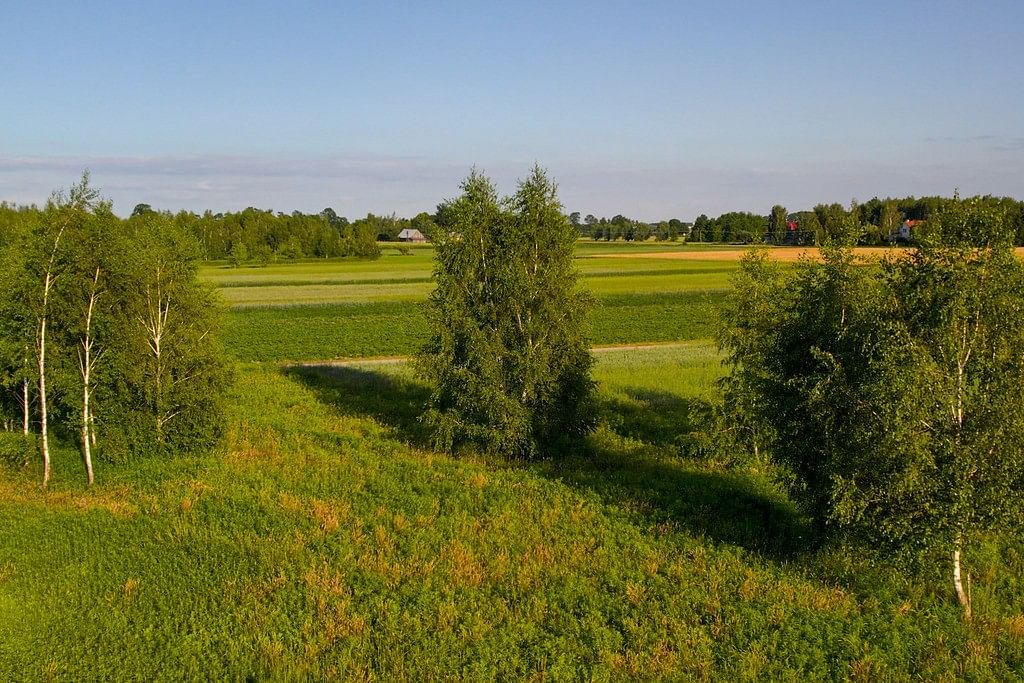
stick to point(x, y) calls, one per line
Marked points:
point(325, 538)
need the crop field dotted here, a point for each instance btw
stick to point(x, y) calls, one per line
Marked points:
point(313, 310)
point(326, 538)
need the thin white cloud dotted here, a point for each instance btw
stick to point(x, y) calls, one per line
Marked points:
point(354, 186)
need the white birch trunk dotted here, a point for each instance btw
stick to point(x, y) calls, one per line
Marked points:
point(24, 406)
point(155, 325)
point(85, 362)
point(44, 434)
point(958, 584)
point(44, 431)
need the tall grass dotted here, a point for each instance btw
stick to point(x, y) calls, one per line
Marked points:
point(326, 541)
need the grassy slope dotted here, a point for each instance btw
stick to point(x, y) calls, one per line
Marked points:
point(324, 541)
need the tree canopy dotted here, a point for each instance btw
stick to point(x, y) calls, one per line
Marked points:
point(894, 394)
point(507, 360)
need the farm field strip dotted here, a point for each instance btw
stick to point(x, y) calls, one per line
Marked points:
point(399, 328)
point(639, 269)
point(631, 278)
point(291, 295)
point(321, 310)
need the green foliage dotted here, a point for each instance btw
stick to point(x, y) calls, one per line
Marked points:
point(239, 255)
point(181, 376)
point(17, 449)
point(894, 395)
point(507, 360)
point(131, 336)
point(777, 220)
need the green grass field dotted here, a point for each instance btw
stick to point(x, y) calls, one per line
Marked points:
point(314, 310)
point(325, 539)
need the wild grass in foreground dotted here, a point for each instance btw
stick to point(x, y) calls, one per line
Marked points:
point(327, 541)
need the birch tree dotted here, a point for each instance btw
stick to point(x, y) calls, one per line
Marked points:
point(46, 259)
point(507, 359)
point(184, 374)
point(100, 286)
point(895, 395)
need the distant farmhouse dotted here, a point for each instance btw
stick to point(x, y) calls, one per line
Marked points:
point(904, 233)
point(794, 236)
point(411, 235)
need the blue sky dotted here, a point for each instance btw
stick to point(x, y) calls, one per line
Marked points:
point(651, 109)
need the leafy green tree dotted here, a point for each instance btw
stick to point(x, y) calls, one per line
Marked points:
point(777, 221)
point(424, 223)
point(45, 258)
point(96, 286)
point(182, 375)
point(574, 221)
point(894, 395)
point(239, 254)
point(890, 219)
point(507, 359)
point(15, 366)
point(364, 240)
point(701, 229)
point(292, 249)
point(675, 228)
point(262, 255)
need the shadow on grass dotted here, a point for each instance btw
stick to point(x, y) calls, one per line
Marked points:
point(654, 461)
point(659, 418)
point(731, 507)
point(395, 402)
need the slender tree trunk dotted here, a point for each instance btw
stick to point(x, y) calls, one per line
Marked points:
point(44, 434)
point(958, 585)
point(86, 417)
point(24, 406)
point(155, 325)
point(86, 440)
point(86, 361)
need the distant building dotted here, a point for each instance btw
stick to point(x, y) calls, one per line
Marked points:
point(904, 233)
point(411, 235)
point(795, 237)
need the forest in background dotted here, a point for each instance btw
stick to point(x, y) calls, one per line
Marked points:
point(262, 236)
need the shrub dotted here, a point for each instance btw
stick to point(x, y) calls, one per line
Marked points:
point(16, 449)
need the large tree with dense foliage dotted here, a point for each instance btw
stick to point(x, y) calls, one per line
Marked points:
point(894, 394)
point(777, 220)
point(120, 332)
point(508, 363)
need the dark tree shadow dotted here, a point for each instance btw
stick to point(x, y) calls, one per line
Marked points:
point(659, 476)
point(660, 418)
point(727, 507)
point(395, 402)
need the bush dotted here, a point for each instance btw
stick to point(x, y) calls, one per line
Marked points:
point(17, 449)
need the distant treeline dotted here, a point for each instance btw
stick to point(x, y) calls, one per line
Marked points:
point(628, 229)
point(870, 223)
point(874, 222)
point(261, 236)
